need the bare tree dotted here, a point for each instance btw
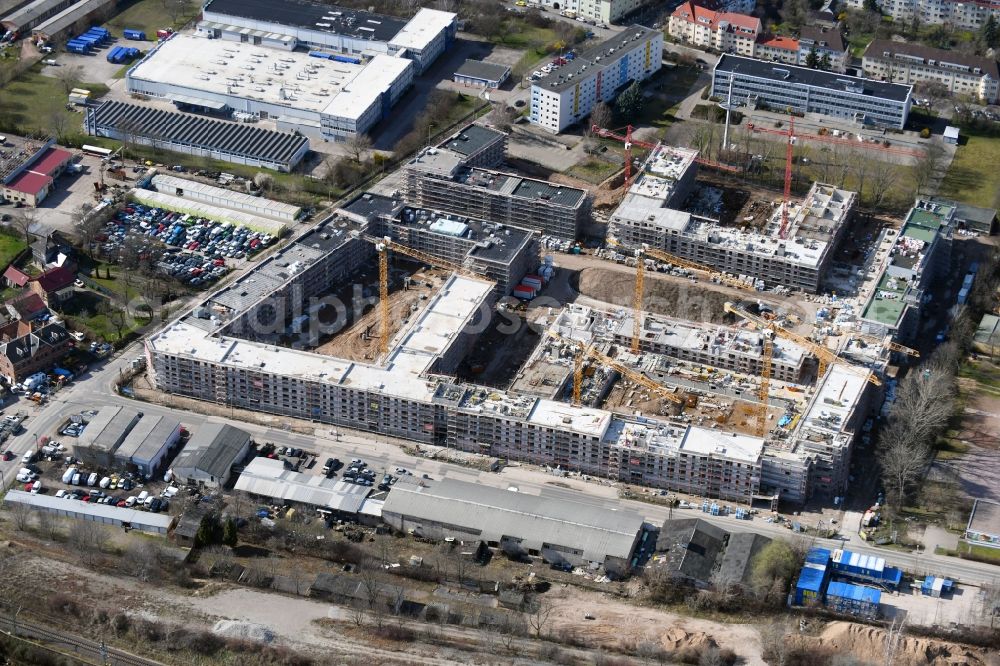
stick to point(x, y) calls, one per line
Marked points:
point(176, 8)
point(263, 181)
point(358, 145)
point(88, 539)
point(370, 583)
point(502, 117)
point(774, 643)
point(602, 116)
point(539, 612)
point(69, 76)
point(19, 514)
point(48, 526)
point(902, 459)
point(882, 178)
point(926, 170)
point(24, 220)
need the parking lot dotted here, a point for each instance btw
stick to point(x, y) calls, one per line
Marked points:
point(196, 249)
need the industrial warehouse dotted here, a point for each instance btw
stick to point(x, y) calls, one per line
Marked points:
point(317, 97)
point(197, 135)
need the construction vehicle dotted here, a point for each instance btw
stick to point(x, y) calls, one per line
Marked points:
point(823, 355)
point(384, 246)
point(629, 142)
point(588, 351)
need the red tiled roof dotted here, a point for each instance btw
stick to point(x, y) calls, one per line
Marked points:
point(50, 160)
point(28, 304)
point(693, 13)
point(29, 182)
point(55, 279)
point(16, 276)
point(786, 43)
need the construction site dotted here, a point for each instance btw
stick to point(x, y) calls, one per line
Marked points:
point(438, 345)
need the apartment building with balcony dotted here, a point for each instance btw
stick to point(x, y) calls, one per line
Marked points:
point(958, 13)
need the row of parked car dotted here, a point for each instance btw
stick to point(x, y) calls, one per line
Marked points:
point(143, 500)
point(193, 269)
point(75, 476)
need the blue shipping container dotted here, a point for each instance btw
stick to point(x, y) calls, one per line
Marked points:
point(818, 556)
point(114, 55)
point(319, 54)
point(351, 59)
point(855, 593)
point(809, 586)
point(137, 35)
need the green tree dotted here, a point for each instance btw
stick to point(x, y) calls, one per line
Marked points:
point(229, 533)
point(773, 569)
point(812, 58)
point(629, 103)
point(209, 531)
point(824, 62)
point(990, 33)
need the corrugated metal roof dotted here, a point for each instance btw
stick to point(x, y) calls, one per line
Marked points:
point(268, 477)
point(213, 450)
point(537, 520)
point(147, 438)
point(106, 430)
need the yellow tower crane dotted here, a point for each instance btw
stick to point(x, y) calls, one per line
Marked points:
point(889, 344)
point(383, 246)
point(824, 356)
point(622, 369)
point(640, 271)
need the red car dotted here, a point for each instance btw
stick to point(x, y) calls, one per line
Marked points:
point(7, 455)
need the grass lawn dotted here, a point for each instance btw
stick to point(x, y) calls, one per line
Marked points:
point(149, 16)
point(593, 170)
point(668, 87)
point(9, 248)
point(38, 103)
point(973, 177)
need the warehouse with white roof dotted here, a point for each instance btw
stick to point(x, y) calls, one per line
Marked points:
point(316, 97)
point(288, 24)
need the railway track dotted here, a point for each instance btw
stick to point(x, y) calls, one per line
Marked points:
point(86, 650)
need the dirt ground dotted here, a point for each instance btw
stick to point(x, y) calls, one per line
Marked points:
point(681, 298)
point(359, 341)
point(869, 644)
point(620, 623)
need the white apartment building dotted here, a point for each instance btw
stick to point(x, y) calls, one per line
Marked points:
point(568, 93)
point(603, 11)
point(960, 14)
point(960, 74)
point(729, 32)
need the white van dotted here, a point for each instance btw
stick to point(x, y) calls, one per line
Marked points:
point(142, 497)
point(92, 479)
point(105, 482)
point(76, 479)
point(130, 501)
point(35, 487)
point(28, 456)
point(67, 476)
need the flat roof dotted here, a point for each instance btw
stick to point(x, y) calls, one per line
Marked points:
point(471, 139)
point(414, 348)
point(731, 445)
point(537, 519)
point(239, 139)
point(834, 402)
point(268, 477)
point(487, 240)
point(370, 205)
point(423, 28)
point(172, 202)
point(985, 517)
point(563, 416)
point(289, 79)
point(816, 78)
point(312, 16)
point(160, 522)
point(484, 71)
point(562, 78)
